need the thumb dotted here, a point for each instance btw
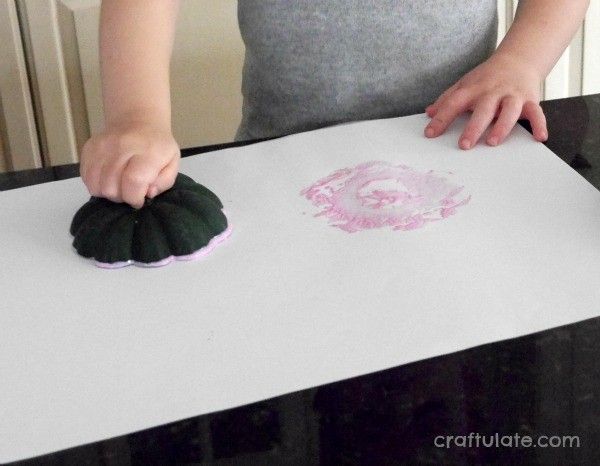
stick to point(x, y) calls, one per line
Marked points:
point(139, 173)
point(165, 178)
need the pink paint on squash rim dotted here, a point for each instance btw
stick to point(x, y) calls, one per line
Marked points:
point(199, 254)
point(380, 194)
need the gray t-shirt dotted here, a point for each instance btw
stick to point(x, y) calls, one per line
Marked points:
point(315, 63)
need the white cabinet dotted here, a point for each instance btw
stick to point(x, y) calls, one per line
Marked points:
point(591, 50)
point(18, 137)
point(2, 157)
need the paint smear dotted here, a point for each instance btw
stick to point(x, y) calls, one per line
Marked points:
point(196, 255)
point(380, 194)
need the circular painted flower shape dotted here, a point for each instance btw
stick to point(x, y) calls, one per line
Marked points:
point(380, 194)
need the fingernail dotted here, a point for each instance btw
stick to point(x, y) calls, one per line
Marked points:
point(465, 143)
point(429, 132)
point(493, 141)
point(544, 135)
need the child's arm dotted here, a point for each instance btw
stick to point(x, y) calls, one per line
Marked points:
point(135, 156)
point(507, 85)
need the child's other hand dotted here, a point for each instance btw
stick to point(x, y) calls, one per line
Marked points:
point(129, 162)
point(503, 88)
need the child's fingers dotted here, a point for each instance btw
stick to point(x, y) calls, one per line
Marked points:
point(165, 179)
point(482, 116)
point(91, 178)
point(137, 176)
point(534, 113)
point(110, 178)
point(509, 114)
point(452, 106)
point(90, 168)
point(84, 160)
point(432, 109)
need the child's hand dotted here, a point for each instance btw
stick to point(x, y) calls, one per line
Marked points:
point(502, 87)
point(130, 162)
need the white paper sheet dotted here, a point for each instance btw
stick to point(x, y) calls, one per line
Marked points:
point(290, 302)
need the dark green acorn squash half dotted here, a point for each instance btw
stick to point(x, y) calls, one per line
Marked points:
point(184, 223)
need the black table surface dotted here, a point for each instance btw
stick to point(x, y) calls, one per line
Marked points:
point(544, 384)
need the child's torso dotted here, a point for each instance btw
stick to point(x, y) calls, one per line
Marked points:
point(317, 62)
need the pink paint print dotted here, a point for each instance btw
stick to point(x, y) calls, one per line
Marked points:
point(199, 254)
point(196, 255)
point(379, 194)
